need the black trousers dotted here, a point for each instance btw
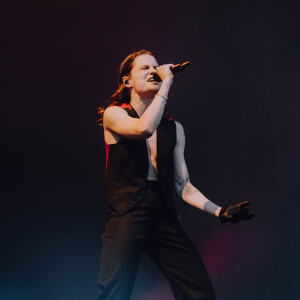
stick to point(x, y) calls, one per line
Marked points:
point(150, 228)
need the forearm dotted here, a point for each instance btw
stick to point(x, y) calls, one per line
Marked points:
point(194, 197)
point(153, 114)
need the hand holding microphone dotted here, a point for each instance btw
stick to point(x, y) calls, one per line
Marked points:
point(166, 73)
point(161, 72)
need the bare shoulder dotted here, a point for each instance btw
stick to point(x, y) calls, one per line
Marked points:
point(179, 126)
point(111, 117)
point(179, 132)
point(114, 111)
point(113, 114)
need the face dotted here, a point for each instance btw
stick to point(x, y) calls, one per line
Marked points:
point(141, 76)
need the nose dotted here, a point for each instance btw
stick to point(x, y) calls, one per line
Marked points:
point(152, 70)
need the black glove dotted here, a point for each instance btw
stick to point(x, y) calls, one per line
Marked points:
point(235, 213)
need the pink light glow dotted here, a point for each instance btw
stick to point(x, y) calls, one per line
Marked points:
point(222, 250)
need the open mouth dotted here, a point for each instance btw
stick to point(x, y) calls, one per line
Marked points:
point(151, 80)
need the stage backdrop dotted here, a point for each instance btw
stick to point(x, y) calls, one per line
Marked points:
point(238, 103)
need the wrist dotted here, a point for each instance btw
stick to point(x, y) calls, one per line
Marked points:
point(167, 80)
point(217, 212)
point(164, 99)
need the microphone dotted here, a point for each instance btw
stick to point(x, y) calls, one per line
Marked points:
point(174, 69)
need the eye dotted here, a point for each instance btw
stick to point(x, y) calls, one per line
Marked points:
point(145, 68)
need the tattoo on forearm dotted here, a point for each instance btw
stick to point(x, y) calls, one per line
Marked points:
point(184, 186)
point(189, 189)
point(180, 183)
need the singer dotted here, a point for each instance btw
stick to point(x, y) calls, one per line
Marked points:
point(144, 163)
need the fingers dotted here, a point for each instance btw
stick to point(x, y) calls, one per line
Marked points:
point(235, 213)
point(243, 204)
point(164, 71)
point(166, 66)
point(244, 211)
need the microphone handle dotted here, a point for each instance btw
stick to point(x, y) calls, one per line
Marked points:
point(174, 69)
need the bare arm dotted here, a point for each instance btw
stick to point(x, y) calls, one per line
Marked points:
point(182, 184)
point(117, 120)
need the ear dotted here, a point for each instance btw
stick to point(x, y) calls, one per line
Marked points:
point(126, 81)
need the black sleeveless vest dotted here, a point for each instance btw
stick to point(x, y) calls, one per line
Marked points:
point(127, 167)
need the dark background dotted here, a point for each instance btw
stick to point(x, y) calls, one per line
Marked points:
point(237, 102)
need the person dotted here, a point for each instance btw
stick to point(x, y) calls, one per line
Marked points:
point(144, 163)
